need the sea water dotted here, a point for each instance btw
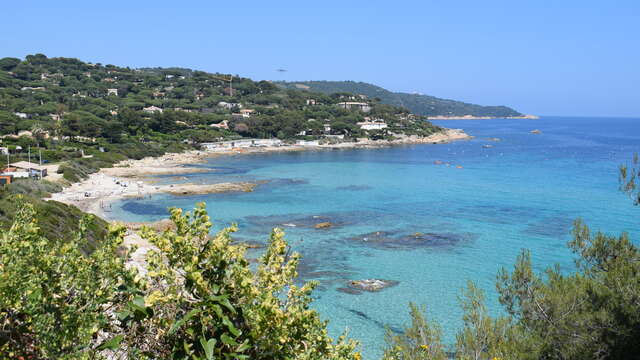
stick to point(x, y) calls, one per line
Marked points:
point(431, 217)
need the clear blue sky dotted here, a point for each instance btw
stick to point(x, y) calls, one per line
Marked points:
point(559, 57)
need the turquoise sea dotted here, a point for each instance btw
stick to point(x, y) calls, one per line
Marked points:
point(522, 193)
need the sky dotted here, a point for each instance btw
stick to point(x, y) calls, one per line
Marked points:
point(561, 57)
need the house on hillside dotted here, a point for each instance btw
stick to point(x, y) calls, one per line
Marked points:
point(362, 106)
point(311, 101)
point(246, 112)
point(21, 115)
point(229, 106)
point(112, 92)
point(372, 125)
point(152, 109)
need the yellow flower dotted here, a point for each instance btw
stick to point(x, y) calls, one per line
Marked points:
point(424, 347)
point(496, 358)
point(357, 356)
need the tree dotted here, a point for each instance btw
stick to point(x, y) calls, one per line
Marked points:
point(8, 63)
point(8, 122)
point(628, 178)
point(421, 341)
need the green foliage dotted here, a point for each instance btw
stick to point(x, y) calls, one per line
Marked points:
point(35, 188)
point(197, 299)
point(54, 299)
point(629, 176)
point(55, 220)
point(421, 341)
point(483, 337)
point(74, 102)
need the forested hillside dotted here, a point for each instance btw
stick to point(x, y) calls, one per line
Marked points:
point(67, 99)
point(417, 103)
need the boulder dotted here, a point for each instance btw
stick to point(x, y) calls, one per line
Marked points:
point(323, 225)
point(372, 285)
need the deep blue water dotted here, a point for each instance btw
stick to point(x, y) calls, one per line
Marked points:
point(522, 193)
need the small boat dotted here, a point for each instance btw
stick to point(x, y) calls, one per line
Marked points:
point(487, 146)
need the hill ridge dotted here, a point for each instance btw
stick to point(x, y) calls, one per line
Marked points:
point(419, 104)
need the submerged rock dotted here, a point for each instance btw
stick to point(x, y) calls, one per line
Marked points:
point(372, 285)
point(395, 240)
point(349, 291)
point(323, 225)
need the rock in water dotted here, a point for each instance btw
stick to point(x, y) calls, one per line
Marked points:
point(372, 285)
point(536, 131)
point(323, 225)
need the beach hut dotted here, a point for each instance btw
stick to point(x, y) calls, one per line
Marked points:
point(32, 170)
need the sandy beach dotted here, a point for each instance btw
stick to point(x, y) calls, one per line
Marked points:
point(134, 178)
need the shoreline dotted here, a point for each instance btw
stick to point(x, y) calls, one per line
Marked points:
point(134, 178)
point(470, 117)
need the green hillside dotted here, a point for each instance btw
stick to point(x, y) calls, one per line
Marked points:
point(419, 104)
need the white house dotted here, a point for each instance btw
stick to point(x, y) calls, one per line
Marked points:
point(362, 106)
point(241, 143)
point(246, 112)
point(112, 92)
point(21, 115)
point(308, 142)
point(152, 109)
point(226, 105)
point(372, 125)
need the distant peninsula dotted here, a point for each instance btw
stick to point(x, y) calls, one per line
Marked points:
point(425, 105)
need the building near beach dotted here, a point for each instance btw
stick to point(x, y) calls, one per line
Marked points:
point(241, 143)
point(308, 142)
point(372, 125)
point(20, 168)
